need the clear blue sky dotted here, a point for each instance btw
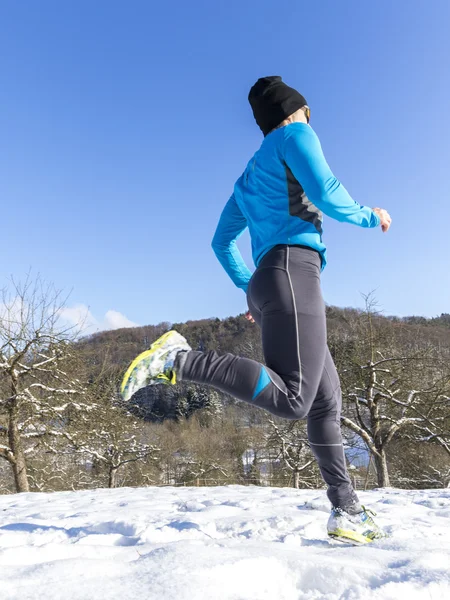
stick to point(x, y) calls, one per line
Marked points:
point(124, 125)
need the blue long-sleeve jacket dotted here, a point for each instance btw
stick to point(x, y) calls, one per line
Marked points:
point(280, 197)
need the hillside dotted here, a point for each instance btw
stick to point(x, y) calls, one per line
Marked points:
point(235, 333)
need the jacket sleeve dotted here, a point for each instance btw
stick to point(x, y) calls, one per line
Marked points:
point(232, 224)
point(304, 157)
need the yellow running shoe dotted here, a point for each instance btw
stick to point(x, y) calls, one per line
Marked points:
point(355, 529)
point(155, 365)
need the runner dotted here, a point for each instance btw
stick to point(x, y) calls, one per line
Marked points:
point(280, 197)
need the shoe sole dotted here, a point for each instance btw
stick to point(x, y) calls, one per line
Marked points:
point(350, 537)
point(347, 540)
point(137, 364)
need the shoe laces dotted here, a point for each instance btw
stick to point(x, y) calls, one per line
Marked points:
point(368, 511)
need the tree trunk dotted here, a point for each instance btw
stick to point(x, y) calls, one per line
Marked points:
point(19, 465)
point(112, 480)
point(296, 479)
point(381, 469)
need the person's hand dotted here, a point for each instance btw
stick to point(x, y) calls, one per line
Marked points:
point(249, 317)
point(385, 218)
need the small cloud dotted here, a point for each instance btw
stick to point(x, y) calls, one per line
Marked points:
point(80, 317)
point(116, 320)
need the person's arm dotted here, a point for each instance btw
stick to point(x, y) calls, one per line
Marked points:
point(232, 224)
point(303, 155)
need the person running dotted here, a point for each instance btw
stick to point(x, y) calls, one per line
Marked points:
point(281, 197)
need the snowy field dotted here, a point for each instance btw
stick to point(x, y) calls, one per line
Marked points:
point(233, 543)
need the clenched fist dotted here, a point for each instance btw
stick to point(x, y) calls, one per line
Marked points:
point(249, 317)
point(385, 218)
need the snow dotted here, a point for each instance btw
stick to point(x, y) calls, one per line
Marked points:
point(224, 543)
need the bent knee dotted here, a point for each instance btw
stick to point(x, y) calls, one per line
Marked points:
point(298, 409)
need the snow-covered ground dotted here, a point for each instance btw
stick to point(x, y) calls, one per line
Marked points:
point(233, 543)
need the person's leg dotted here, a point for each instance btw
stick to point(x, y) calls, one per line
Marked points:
point(324, 430)
point(286, 298)
point(325, 438)
point(300, 378)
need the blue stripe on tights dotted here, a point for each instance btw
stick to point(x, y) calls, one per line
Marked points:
point(263, 382)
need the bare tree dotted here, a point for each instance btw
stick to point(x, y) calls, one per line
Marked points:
point(116, 439)
point(111, 437)
point(394, 387)
point(292, 448)
point(37, 387)
point(418, 466)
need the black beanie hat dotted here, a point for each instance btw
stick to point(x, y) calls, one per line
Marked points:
point(272, 101)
